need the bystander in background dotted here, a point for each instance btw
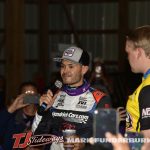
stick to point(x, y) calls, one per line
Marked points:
point(17, 117)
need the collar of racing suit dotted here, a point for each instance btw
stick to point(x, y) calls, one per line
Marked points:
point(146, 74)
point(73, 91)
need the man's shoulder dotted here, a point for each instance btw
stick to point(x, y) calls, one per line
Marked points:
point(146, 81)
point(102, 99)
point(97, 94)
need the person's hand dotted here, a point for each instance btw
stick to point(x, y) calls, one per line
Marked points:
point(17, 104)
point(48, 98)
point(75, 146)
point(79, 146)
point(117, 145)
point(122, 113)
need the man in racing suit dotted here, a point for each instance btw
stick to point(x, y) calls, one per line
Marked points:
point(74, 104)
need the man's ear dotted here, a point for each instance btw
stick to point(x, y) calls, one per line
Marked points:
point(140, 52)
point(85, 69)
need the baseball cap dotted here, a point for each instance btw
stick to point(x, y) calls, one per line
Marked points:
point(76, 55)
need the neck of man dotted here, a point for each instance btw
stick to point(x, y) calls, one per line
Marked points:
point(76, 85)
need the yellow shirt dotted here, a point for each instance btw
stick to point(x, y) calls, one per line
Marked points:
point(133, 113)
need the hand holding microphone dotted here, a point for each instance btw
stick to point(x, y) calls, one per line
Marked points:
point(47, 100)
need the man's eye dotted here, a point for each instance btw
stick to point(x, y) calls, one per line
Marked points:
point(71, 66)
point(61, 66)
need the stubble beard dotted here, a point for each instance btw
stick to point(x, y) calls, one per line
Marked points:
point(73, 81)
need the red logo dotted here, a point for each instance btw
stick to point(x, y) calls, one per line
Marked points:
point(35, 140)
point(18, 137)
point(98, 95)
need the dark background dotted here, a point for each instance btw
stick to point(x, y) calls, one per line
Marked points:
point(32, 32)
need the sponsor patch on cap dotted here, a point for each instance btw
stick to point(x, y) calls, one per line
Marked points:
point(76, 55)
point(69, 52)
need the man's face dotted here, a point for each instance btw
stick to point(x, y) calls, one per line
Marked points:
point(72, 73)
point(132, 53)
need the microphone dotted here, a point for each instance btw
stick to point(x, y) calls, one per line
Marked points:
point(54, 88)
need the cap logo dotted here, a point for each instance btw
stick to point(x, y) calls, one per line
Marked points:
point(69, 52)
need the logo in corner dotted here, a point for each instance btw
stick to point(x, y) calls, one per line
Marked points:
point(35, 140)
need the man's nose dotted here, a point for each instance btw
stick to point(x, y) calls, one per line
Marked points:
point(65, 69)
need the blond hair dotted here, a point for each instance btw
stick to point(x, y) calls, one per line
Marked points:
point(141, 38)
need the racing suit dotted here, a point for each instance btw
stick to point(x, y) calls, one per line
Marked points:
point(72, 107)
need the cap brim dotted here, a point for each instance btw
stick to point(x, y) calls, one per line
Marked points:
point(58, 59)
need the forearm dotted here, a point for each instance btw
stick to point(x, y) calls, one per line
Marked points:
point(146, 134)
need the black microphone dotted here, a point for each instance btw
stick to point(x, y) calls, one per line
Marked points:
point(54, 88)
